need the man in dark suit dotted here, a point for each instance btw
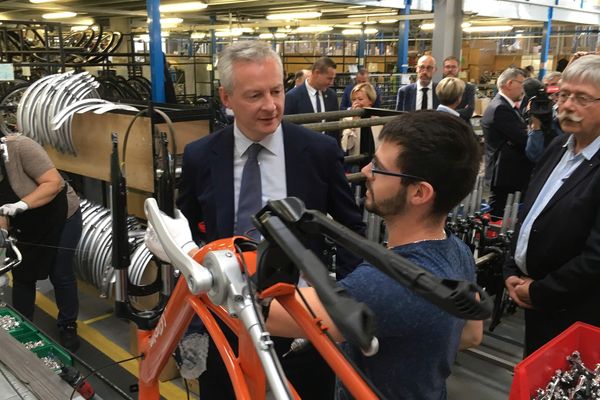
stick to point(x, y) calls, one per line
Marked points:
point(291, 161)
point(315, 95)
point(507, 166)
point(420, 95)
point(451, 68)
point(554, 268)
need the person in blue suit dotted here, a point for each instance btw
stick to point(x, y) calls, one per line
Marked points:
point(411, 97)
point(293, 161)
point(303, 98)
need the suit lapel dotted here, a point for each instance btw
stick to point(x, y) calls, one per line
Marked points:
point(295, 160)
point(222, 182)
point(584, 169)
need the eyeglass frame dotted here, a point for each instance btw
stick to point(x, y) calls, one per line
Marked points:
point(425, 67)
point(589, 101)
point(376, 170)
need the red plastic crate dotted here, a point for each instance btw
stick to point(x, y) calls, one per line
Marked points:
point(535, 371)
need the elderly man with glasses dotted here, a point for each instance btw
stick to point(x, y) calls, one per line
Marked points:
point(554, 268)
point(420, 95)
point(505, 131)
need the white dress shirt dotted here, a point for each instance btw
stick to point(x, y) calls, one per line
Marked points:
point(448, 110)
point(312, 92)
point(271, 161)
point(420, 95)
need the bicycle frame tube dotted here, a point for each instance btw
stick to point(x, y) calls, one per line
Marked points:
point(315, 332)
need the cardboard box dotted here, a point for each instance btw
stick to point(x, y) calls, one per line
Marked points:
point(480, 105)
point(170, 371)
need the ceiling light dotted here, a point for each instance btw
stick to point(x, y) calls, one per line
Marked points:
point(498, 28)
point(332, 10)
point(351, 7)
point(171, 20)
point(183, 7)
point(197, 35)
point(369, 22)
point(40, 1)
point(314, 29)
point(387, 21)
point(383, 14)
point(427, 26)
point(278, 35)
point(229, 32)
point(297, 15)
point(59, 15)
point(355, 23)
point(368, 31)
point(465, 25)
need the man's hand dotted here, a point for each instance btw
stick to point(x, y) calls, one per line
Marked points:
point(12, 209)
point(512, 282)
point(179, 230)
point(522, 293)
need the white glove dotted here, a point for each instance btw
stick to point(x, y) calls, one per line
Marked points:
point(178, 229)
point(12, 209)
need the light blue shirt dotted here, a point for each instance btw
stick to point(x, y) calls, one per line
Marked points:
point(271, 161)
point(563, 170)
point(448, 110)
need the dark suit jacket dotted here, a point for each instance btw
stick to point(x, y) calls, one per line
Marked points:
point(314, 173)
point(297, 101)
point(505, 133)
point(467, 103)
point(563, 251)
point(407, 97)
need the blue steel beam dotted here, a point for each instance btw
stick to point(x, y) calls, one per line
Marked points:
point(402, 63)
point(157, 59)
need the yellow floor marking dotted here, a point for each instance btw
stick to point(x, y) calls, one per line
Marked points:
point(167, 389)
point(96, 319)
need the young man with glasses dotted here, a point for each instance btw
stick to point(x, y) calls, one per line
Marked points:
point(505, 131)
point(420, 95)
point(554, 268)
point(425, 164)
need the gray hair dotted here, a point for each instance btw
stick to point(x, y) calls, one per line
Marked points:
point(449, 90)
point(244, 51)
point(509, 74)
point(551, 75)
point(583, 70)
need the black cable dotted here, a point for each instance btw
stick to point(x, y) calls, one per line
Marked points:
point(98, 369)
point(187, 389)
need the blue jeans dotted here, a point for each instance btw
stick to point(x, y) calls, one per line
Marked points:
point(62, 274)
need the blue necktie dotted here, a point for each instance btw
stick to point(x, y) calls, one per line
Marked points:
point(318, 102)
point(250, 201)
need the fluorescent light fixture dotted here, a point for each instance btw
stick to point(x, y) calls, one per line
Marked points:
point(198, 35)
point(171, 20)
point(383, 14)
point(387, 21)
point(368, 31)
point(296, 15)
point(268, 36)
point(79, 28)
point(59, 15)
point(183, 7)
point(332, 10)
point(430, 25)
point(370, 22)
point(497, 28)
point(314, 29)
point(40, 1)
point(351, 7)
point(230, 32)
point(355, 23)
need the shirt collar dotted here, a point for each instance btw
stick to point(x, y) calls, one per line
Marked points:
point(512, 103)
point(587, 152)
point(273, 142)
point(448, 110)
point(311, 90)
point(419, 86)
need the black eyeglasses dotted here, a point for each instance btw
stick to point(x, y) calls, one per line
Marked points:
point(376, 170)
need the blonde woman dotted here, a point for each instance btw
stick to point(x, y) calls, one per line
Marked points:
point(449, 92)
point(361, 140)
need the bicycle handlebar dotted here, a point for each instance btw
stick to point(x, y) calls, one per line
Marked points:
point(455, 297)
